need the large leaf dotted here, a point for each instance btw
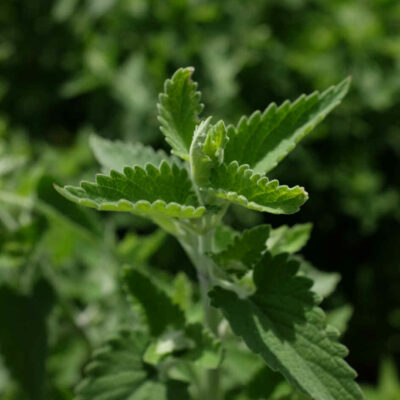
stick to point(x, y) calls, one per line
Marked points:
point(264, 139)
point(245, 251)
point(179, 108)
point(240, 185)
point(117, 155)
point(117, 372)
point(282, 323)
point(150, 191)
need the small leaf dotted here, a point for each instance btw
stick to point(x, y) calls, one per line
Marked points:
point(150, 191)
point(324, 283)
point(263, 140)
point(207, 352)
point(117, 372)
point(340, 317)
point(161, 313)
point(282, 323)
point(194, 344)
point(245, 251)
point(288, 239)
point(117, 155)
point(240, 185)
point(179, 108)
point(215, 142)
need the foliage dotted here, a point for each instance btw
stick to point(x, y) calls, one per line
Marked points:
point(69, 68)
point(279, 317)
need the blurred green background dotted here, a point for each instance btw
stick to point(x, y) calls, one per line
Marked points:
point(72, 67)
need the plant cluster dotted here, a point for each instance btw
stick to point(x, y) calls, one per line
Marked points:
point(252, 285)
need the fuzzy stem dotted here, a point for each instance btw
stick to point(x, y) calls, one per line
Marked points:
point(197, 249)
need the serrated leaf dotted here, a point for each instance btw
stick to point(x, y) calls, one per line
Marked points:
point(245, 251)
point(287, 239)
point(282, 323)
point(264, 139)
point(150, 191)
point(161, 313)
point(240, 185)
point(117, 372)
point(116, 155)
point(179, 108)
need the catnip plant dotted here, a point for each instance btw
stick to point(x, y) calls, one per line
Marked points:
point(253, 288)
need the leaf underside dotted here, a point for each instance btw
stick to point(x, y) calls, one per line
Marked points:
point(117, 372)
point(150, 191)
point(179, 108)
point(116, 155)
point(240, 185)
point(264, 139)
point(282, 323)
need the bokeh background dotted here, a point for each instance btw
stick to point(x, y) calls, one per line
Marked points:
point(72, 67)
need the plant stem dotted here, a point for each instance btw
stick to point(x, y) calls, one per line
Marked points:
point(197, 248)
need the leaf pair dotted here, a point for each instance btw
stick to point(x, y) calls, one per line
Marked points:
point(152, 184)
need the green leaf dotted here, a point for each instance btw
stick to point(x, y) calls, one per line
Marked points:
point(282, 323)
point(150, 191)
point(116, 155)
point(207, 150)
point(263, 140)
point(194, 344)
point(288, 239)
point(240, 185)
point(23, 335)
point(179, 108)
point(161, 313)
point(245, 251)
point(117, 372)
point(340, 317)
point(167, 323)
point(207, 351)
point(215, 142)
point(324, 283)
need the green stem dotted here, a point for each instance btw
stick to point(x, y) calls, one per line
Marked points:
point(197, 247)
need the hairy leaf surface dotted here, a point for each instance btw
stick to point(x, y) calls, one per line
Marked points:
point(282, 323)
point(179, 108)
point(116, 155)
point(264, 139)
point(240, 185)
point(245, 251)
point(165, 191)
point(117, 372)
